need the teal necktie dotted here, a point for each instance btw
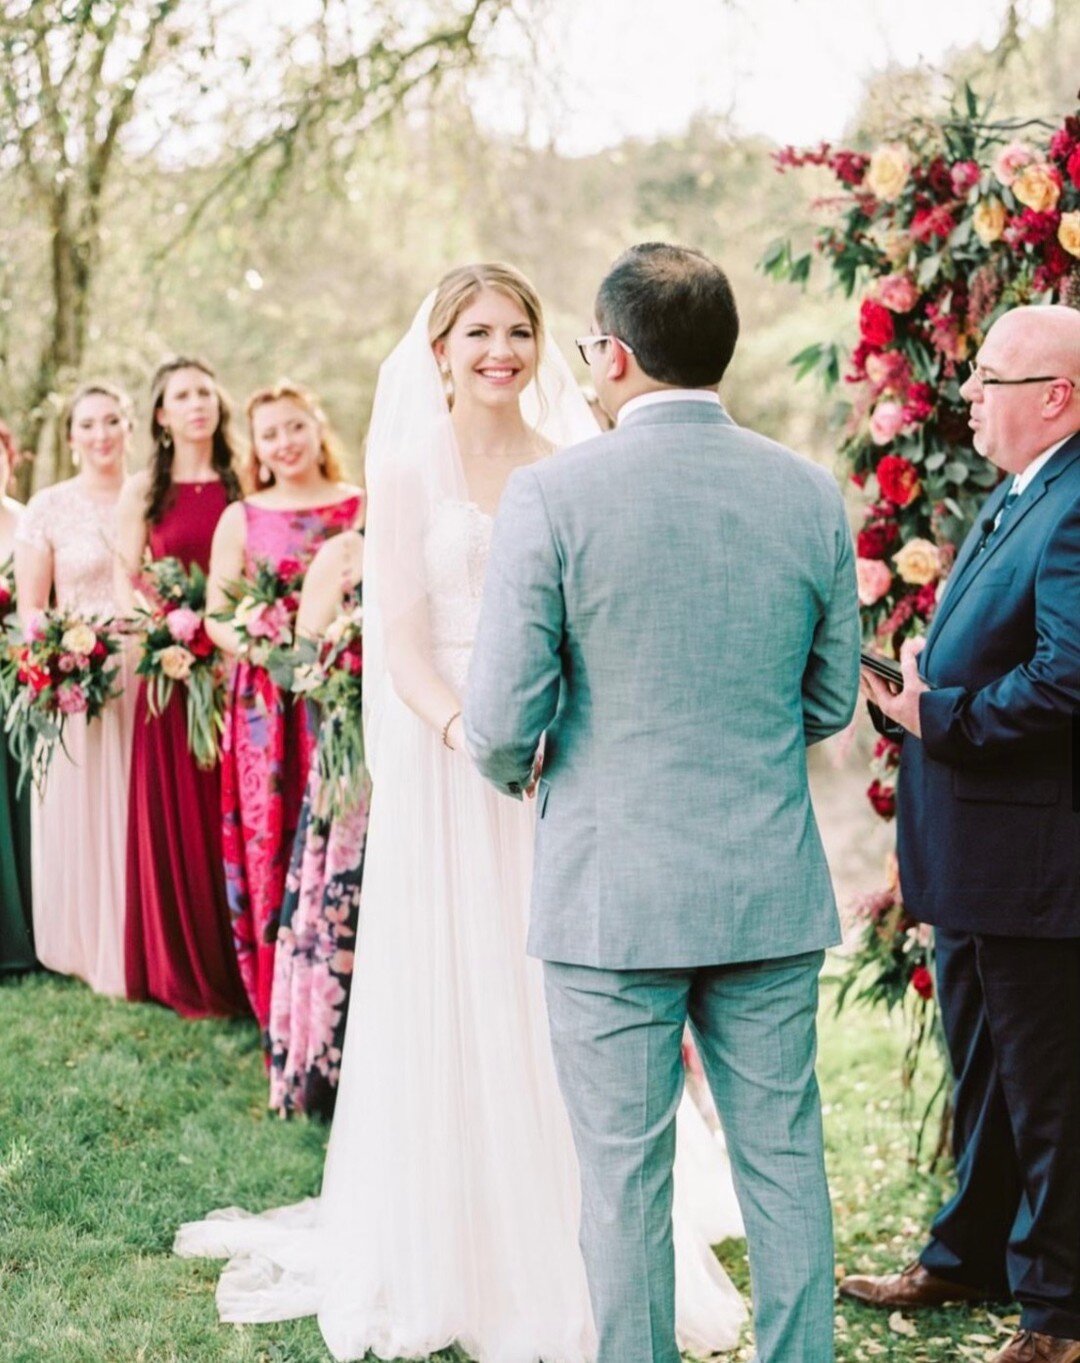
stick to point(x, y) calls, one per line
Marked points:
point(990, 531)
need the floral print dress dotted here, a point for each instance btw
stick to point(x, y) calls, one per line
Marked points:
point(266, 755)
point(314, 959)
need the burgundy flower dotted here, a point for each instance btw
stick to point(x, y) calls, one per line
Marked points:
point(849, 167)
point(876, 538)
point(1062, 145)
point(883, 798)
point(1031, 229)
point(926, 600)
point(918, 404)
point(938, 178)
point(922, 982)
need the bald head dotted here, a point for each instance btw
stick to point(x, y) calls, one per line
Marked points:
point(1015, 422)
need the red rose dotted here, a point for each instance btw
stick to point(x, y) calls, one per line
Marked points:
point(200, 643)
point(99, 651)
point(938, 177)
point(355, 663)
point(1072, 167)
point(926, 600)
point(928, 223)
point(876, 538)
point(875, 324)
point(291, 603)
point(883, 798)
point(922, 982)
point(289, 568)
point(1061, 145)
point(898, 479)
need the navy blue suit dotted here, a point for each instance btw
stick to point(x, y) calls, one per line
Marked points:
point(988, 837)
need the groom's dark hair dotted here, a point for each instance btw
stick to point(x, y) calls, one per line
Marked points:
point(674, 308)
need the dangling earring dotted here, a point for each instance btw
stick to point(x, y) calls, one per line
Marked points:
point(448, 383)
point(166, 438)
point(264, 475)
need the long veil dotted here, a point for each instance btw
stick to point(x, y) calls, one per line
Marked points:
point(412, 465)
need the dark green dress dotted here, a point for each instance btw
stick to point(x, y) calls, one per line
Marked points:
point(16, 928)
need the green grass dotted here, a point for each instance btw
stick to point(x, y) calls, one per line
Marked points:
point(118, 1122)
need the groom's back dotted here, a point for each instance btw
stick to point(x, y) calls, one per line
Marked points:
point(698, 563)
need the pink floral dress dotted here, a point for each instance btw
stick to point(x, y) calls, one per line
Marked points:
point(313, 965)
point(266, 754)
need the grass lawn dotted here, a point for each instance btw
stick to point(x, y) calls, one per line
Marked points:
point(117, 1122)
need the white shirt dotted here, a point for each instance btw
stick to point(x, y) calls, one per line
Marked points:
point(667, 395)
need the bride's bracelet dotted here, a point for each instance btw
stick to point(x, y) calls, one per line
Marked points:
point(446, 731)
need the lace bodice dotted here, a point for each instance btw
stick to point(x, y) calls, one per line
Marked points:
point(456, 551)
point(80, 530)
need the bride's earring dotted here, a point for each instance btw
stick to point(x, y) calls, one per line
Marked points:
point(448, 383)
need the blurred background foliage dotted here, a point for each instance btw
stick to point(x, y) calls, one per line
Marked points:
point(301, 240)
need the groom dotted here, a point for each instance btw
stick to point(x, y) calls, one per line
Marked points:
point(674, 606)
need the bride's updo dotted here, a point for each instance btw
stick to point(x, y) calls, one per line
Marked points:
point(458, 289)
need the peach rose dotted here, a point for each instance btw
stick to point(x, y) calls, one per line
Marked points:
point(1069, 233)
point(1038, 187)
point(886, 422)
point(918, 562)
point(1011, 160)
point(890, 170)
point(874, 579)
point(176, 662)
point(988, 220)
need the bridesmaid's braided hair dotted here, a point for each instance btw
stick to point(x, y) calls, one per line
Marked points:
point(225, 454)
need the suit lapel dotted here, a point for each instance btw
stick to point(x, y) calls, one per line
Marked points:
point(970, 563)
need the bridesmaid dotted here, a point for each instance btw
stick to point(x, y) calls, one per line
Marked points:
point(268, 744)
point(65, 545)
point(314, 958)
point(178, 940)
point(16, 928)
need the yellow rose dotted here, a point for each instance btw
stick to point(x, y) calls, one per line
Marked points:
point(176, 662)
point(1069, 233)
point(78, 639)
point(890, 169)
point(1038, 187)
point(918, 562)
point(989, 220)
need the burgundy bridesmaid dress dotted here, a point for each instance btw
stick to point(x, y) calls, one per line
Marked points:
point(178, 939)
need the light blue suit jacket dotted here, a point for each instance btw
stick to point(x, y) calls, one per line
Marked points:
point(674, 603)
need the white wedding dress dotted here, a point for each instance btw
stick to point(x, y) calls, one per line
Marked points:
point(449, 1202)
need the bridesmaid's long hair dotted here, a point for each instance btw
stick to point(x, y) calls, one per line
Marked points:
point(224, 455)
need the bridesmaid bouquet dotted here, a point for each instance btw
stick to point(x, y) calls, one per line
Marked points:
point(262, 610)
point(63, 665)
point(176, 651)
point(333, 679)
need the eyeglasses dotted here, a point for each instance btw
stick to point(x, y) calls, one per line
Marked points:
point(986, 381)
point(584, 343)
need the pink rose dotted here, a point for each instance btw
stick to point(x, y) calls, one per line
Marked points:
point(964, 176)
point(897, 292)
point(268, 622)
point(886, 422)
point(67, 662)
point(874, 578)
point(183, 624)
point(71, 699)
point(1011, 160)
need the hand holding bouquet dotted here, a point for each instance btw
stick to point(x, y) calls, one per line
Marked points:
point(334, 680)
point(176, 651)
point(262, 609)
point(63, 665)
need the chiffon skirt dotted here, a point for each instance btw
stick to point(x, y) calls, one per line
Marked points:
point(78, 849)
point(449, 1206)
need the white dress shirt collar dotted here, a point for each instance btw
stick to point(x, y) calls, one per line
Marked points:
point(660, 395)
point(1025, 479)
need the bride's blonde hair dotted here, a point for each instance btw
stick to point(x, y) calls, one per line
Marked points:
point(457, 290)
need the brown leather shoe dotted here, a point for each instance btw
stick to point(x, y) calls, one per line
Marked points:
point(911, 1287)
point(1029, 1347)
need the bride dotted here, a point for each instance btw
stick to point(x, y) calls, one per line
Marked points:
point(449, 1203)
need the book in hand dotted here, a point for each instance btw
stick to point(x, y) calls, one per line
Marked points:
point(887, 668)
